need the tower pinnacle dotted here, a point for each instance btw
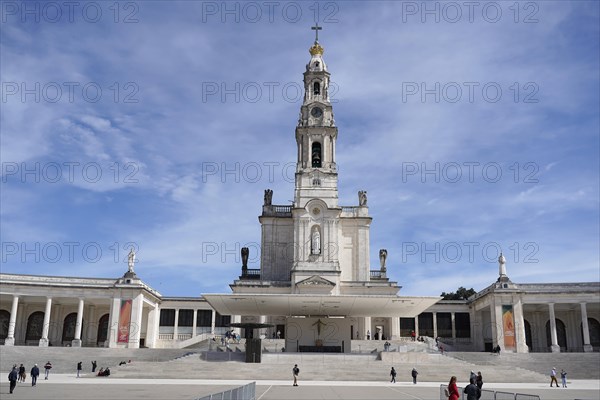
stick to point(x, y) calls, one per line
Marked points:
point(316, 28)
point(316, 47)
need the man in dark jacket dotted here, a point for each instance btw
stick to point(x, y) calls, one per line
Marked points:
point(35, 372)
point(12, 378)
point(472, 391)
point(414, 374)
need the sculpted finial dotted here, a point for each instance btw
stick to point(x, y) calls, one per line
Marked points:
point(382, 259)
point(362, 198)
point(131, 260)
point(502, 265)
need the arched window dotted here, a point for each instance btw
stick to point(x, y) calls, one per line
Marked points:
point(35, 323)
point(68, 333)
point(561, 334)
point(316, 155)
point(316, 88)
point(4, 321)
point(102, 329)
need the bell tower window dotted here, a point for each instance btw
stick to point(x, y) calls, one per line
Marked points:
point(316, 155)
point(316, 88)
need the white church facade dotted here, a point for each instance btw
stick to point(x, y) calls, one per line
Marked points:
point(315, 287)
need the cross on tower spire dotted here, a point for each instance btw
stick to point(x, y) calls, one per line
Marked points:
point(316, 28)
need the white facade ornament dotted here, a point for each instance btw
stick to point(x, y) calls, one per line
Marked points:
point(382, 258)
point(362, 198)
point(131, 260)
point(502, 265)
point(315, 247)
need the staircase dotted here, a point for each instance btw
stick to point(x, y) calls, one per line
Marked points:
point(368, 365)
point(577, 365)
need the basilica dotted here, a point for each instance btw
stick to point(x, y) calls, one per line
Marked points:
point(315, 287)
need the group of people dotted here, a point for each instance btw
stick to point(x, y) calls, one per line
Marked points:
point(230, 336)
point(413, 374)
point(415, 338)
point(19, 375)
point(472, 390)
point(563, 377)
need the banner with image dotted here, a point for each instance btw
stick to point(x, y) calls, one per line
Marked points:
point(508, 327)
point(124, 321)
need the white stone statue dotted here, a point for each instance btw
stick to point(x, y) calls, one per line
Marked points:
point(131, 259)
point(382, 258)
point(268, 197)
point(362, 198)
point(502, 265)
point(315, 246)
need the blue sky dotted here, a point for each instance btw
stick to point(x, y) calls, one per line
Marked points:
point(161, 124)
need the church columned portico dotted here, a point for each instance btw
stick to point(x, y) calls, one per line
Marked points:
point(63, 311)
point(537, 317)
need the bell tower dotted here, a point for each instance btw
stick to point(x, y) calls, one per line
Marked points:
point(316, 134)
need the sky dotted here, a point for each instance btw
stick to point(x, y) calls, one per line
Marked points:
point(474, 128)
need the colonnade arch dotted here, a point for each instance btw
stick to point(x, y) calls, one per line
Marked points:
point(561, 334)
point(4, 321)
point(69, 326)
point(35, 325)
point(102, 329)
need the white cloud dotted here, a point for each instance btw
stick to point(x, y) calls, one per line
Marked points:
point(172, 133)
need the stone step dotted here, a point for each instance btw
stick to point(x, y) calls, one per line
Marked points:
point(577, 365)
point(366, 369)
point(65, 359)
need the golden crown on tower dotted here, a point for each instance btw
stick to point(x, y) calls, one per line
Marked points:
point(316, 49)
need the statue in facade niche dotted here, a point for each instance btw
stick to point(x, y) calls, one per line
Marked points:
point(315, 246)
point(362, 198)
point(268, 197)
point(245, 253)
point(382, 258)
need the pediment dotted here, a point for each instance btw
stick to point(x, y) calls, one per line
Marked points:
point(315, 280)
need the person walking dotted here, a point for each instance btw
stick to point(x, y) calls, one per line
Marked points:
point(79, 368)
point(35, 372)
point(479, 380)
point(414, 374)
point(472, 391)
point(12, 378)
point(22, 375)
point(393, 375)
point(295, 372)
point(553, 377)
point(452, 390)
point(563, 378)
point(94, 365)
point(47, 367)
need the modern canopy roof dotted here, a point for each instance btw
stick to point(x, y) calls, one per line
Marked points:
point(313, 305)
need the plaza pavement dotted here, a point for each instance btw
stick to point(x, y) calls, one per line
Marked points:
point(68, 387)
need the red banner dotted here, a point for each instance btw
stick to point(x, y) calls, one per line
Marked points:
point(124, 321)
point(508, 325)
